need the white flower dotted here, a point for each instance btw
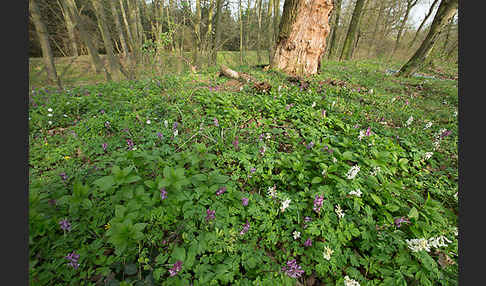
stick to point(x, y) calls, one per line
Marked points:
point(50, 122)
point(323, 172)
point(371, 91)
point(285, 204)
point(166, 123)
point(455, 195)
point(428, 155)
point(296, 234)
point(314, 104)
point(375, 171)
point(334, 160)
point(356, 193)
point(334, 102)
point(176, 132)
point(65, 115)
point(428, 125)
point(361, 134)
point(419, 244)
point(439, 241)
point(350, 282)
point(148, 121)
point(268, 136)
point(393, 99)
point(352, 172)
point(456, 231)
point(327, 253)
point(50, 114)
point(272, 192)
point(436, 144)
point(49, 109)
point(339, 211)
point(279, 88)
point(455, 113)
point(409, 121)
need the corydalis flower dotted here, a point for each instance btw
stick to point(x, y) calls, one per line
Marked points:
point(308, 242)
point(409, 121)
point(221, 191)
point(356, 193)
point(73, 259)
point(272, 191)
point(285, 205)
point(292, 269)
point(375, 171)
point(318, 201)
point(323, 113)
point(176, 267)
point(216, 123)
point(245, 229)
point(244, 201)
point(104, 146)
point(296, 234)
point(339, 211)
point(166, 123)
point(148, 121)
point(350, 282)
point(176, 132)
point(210, 214)
point(65, 225)
point(368, 131)
point(236, 143)
point(428, 155)
point(310, 145)
point(262, 150)
point(352, 172)
point(174, 126)
point(130, 144)
point(160, 135)
point(327, 253)
point(107, 124)
point(428, 125)
point(63, 176)
point(313, 104)
point(252, 170)
point(399, 220)
point(163, 194)
point(445, 133)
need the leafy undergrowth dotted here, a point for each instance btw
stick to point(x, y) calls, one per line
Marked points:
point(181, 181)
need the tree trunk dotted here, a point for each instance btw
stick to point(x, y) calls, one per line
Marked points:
point(119, 27)
point(70, 29)
point(247, 40)
point(431, 9)
point(446, 11)
point(130, 35)
point(377, 24)
point(259, 44)
point(449, 26)
point(241, 32)
point(301, 40)
point(114, 64)
point(358, 36)
point(93, 52)
point(410, 5)
point(337, 14)
point(350, 35)
point(276, 21)
point(43, 35)
point(270, 31)
point(209, 33)
point(217, 38)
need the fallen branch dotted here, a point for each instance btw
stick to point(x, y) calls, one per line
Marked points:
point(243, 77)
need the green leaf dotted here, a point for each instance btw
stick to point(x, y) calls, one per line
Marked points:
point(376, 198)
point(130, 269)
point(392, 207)
point(413, 213)
point(104, 183)
point(179, 253)
point(348, 155)
point(316, 180)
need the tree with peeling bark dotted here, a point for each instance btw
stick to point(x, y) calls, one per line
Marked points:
point(347, 50)
point(445, 12)
point(301, 41)
point(45, 46)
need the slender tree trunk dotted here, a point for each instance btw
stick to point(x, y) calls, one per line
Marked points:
point(270, 31)
point(130, 35)
point(446, 11)
point(410, 5)
point(217, 38)
point(446, 42)
point(138, 16)
point(259, 44)
point(241, 32)
point(247, 40)
point(358, 36)
point(197, 32)
point(276, 22)
point(43, 35)
point(93, 52)
point(334, 28)
point(209, 33)
point(114, 64)
point(350, 35)
point(431, 9)
point(377, 25)
point(70, 29)
point(302, 36)
point(116, 17)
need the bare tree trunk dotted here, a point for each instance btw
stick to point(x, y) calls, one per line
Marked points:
point(446, 11)
point(377, 23)
point(197, 32)
point(130, 35)
point(276, 21)
point(449, 26)
point(358, 36)
point(337, 14)
point(43, 35)
point(247, 40)
point(270, 31)
point(350, 35)
point(209, 33)
point(241, 32)
point(114, 64)
point(302, 36)
point(259, 44)
point(70, 29)
point(217, 38)
point(93, 52)
point(431, 9)
point(119, 27)
point(410, 5)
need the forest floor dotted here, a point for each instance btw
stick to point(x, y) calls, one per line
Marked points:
point(348, 175)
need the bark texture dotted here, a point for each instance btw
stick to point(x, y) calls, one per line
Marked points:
point(337, 14)
point(445, 12)
point(431, 9)
point(351, 34)
point(302, 37)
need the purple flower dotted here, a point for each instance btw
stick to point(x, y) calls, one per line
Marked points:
point(163, 194)
point(102, 111)
point(292, 269)
point(246, 227)
point(221, 191)
point(445, 133)
point(244, 201)
point(107, 124)
point(160, 135)
point(368, 131)
point(318, 201)
point(216, 123)
point(104, 145)
point(260, 137)
point(262, 150)
point(63, 176)
point(252, 170)
point(406, 102)
point(65, 225)
point(310, 145)
point(175, 268)
point(210, 214)
point(306, 220)
point(236, 142)
point(52, 202)
point(308, 242)
point(130, 144)
point(399, 220)
point(323, 112)
point(174, 126)
point(73, 259)
point(356, 126)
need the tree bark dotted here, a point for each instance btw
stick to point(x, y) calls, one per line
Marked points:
point(449, 26)
point(43, 35)
point(410, 5)
point(70, 29)
point(259, 44)
point(217, 38)
point(93, 52)
point(377, 24)
point(270, 31)
point(445, 12)
point(358, 36)
point(197, 32)
point(240, 19)
point(350, 35)
point(302, 36)
point(209, 33)
point(119, 27)
point(334, 28)
point(431, 9)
